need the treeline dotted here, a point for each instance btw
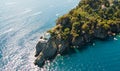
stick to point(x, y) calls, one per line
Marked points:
point(88, 16)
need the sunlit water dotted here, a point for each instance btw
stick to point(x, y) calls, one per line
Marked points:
point(23, 21)
point(21, 24)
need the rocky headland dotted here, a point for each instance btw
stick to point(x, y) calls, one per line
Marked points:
point(90, 20)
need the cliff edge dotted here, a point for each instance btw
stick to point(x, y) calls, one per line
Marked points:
point(91, 19)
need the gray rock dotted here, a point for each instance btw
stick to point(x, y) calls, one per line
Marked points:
point(40, 45)
point(51, 49)
point(63, 46)
point(40, 60)
point(48, 52)
point(78, 41)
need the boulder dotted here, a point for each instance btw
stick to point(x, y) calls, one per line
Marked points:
point(40, 45)
point(40, 60)
point(51, 49)
point(47, 52)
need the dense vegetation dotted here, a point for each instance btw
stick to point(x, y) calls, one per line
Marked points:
point(91, 19)
point(87, 17)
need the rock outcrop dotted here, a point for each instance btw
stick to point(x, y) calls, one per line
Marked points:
point(39, 47)
point(100, 33)
point(88, 21)
point(48, 50)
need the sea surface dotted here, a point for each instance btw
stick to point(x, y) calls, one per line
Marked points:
point(22, 22)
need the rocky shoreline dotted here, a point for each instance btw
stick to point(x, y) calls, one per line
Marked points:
point(50, 49)
point(67, 34)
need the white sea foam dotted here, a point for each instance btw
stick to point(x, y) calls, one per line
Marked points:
point(115, 39)
point(57, 14)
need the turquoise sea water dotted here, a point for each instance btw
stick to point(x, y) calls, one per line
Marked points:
point(101, 56)
point(23, 21)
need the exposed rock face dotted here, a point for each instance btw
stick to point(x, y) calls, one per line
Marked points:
point(78, 41)
point(82, 25)
point(39, 47)
point(115, 28)
point(48, 50)
point(63, 45)
point(100, 33)
point(51, 49)
point(40, 60)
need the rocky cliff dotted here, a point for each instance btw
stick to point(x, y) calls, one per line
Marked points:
point(91, 19)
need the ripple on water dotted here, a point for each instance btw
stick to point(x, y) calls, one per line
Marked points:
point(23, 22)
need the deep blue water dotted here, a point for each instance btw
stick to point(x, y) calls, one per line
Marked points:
point(23, 21)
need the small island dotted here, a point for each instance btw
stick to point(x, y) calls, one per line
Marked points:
point(90, 20)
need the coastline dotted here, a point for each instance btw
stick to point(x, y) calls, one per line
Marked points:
point(67, 34)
